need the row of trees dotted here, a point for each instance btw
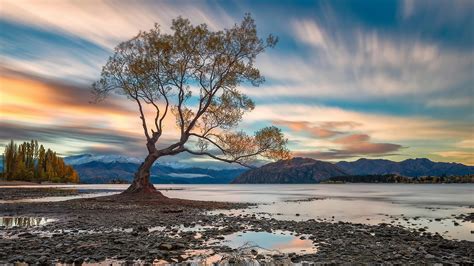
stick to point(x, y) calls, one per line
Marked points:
point(394, 178)
point(32, 162)
point(444, 179)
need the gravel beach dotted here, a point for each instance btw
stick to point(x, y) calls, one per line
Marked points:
point(123, 229)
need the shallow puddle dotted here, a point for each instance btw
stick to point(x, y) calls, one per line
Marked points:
point(280, 241)
point(9, 222)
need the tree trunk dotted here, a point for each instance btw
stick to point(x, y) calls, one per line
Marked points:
point(141, 183)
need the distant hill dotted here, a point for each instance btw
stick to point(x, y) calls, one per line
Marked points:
point(108, 169)
point(388, 178)
point(410, 168)
point(394, 178)
point(293, 171)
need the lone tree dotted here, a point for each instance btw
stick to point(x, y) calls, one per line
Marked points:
point(193, 75)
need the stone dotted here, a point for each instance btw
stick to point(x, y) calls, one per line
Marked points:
point(166, 246)
point(429, 256)
point(25, 234)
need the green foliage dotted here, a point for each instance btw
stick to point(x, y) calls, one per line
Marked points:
point(31, 162)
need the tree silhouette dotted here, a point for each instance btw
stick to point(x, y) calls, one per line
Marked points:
point(193, 74)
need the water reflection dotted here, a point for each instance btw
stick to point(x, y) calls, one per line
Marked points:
point(279, 241)
point(60, 198)
point(23, 221)
point(356, 203)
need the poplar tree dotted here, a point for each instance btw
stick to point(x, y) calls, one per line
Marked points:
point(31, 162)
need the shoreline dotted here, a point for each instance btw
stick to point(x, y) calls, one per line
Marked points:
point(95, 229)
point(14, 183)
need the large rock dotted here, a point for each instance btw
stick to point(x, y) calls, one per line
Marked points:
point(294, 171)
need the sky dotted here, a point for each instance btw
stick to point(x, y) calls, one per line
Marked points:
point(348, 79)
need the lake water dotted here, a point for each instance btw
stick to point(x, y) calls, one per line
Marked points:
point(429, 206)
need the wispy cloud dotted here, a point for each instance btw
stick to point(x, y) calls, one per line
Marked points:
point(342, 81)
point(63, 116)
point(342, 144)
point(353, 146)
point(303, 126)
point(380, 126)
point(450, 102)
point(124, 19)
point(362, 63)
point(466, 157)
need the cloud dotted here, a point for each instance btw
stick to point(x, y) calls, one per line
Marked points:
point(444, 12)
point(46, 53)
point(315, 131)
point(450, 102)
point(20, 87)
point(72, 139)
point(379, 126)
point(467, 143)
point(107, 149)
point(466, 157)
point(39, 101)
point(331, 75)
point(355, 145)
point(341, 124)
point(310, 33)
point(408, 8)
point(124, 18)
point(360, 144)
point(62, 115)
point(356, 63)
point(72, 40)
point(400, 137)
point(338, 147)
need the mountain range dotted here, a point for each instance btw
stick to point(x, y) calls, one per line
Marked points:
point(306, 170)
point(107, 168)
point(409, 168)
point(294, 171)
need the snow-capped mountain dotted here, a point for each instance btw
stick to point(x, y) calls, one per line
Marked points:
point(87, 158)
point(179, 161)
point(107, 168)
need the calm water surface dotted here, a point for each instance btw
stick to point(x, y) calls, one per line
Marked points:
point(432, 206)
point(281, 241)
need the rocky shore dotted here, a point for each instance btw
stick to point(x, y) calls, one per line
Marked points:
point(14, 193)
point(172, 230)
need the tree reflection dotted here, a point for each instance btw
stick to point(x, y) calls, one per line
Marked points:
point(22, 221)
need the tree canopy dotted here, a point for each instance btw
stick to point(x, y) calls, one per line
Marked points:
point(32, 162)
point(194, 75)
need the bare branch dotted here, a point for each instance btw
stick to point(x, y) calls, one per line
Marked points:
point(209, 140)
point(218, 158)
point(142, 117)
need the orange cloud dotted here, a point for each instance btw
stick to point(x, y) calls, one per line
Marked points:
point(353, 145)
point(315, 131)
point(55, 112)
point(353, 139)
point(46, 96)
